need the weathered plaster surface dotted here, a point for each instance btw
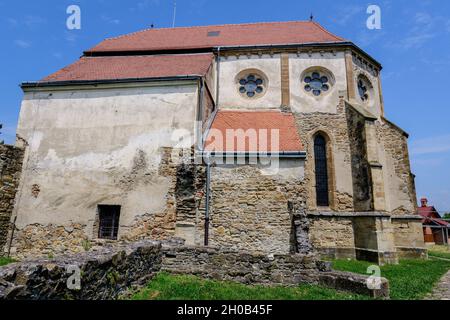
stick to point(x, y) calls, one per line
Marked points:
point(304, 102)
point(90, 147)
point(230, 67)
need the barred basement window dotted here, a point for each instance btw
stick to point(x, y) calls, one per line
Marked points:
point(108, 222)
point(320, 155)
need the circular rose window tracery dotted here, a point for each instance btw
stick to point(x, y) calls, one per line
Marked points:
point(317, 83)
point(251, 85)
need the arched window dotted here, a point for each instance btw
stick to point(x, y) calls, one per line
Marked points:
point(320, 157)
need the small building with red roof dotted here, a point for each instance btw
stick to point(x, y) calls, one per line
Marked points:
point(435, 229)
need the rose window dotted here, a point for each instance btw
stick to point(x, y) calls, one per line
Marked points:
point(362, 90)
point(317, 83)
point(251, 86)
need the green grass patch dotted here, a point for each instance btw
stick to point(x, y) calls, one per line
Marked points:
point(439, 251)
point(410, 280)
point(4, 261)
point(182, 287)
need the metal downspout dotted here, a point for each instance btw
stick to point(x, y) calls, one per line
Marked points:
point(217, 77)
point(208, 195)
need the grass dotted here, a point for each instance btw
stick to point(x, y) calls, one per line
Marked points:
point(410, 280)
point(4, 261)
point(439, 251)
point(182, 287)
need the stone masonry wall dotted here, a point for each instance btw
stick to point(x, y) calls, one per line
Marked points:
point(110, 272)
point(252, 268)
point(395, 144)
point(105, 274)
point(335, 127)
point(408, 237)
point(250, 210)
point(10, 169)
point(331, 234)
point(185, 180)
point(362, 184)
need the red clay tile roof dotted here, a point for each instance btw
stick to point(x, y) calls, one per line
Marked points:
point(285, 139)
point(437, 221)
point(133, 67)
point(269, 33)
point(430, 214)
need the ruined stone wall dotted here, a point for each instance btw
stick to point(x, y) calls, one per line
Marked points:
point(252, 268)
point(10, 170)
point(110, 272)
point(399, 182)
point(105, 274)
point(250, 208)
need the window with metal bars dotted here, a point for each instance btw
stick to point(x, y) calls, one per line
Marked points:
point(108, 221)
point(320, 155)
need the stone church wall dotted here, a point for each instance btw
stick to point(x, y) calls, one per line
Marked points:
point(400, 187)
point(332, 236)
point(10, 169)
point(250, 208)
point(100, 146)
point(335, 127)
point(362, 184)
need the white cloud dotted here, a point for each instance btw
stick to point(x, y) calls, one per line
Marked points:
point(32, 21)
point(12, 22)
point(22, 43)
point(109, 19)
point(416, 41)
point(70, 36)
point(346, 13)
point(439, 144)
point(142, 5)
point(423, 18)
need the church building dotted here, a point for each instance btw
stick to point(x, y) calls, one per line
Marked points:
point(265, 137)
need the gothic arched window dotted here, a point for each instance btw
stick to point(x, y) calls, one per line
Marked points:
point(321, 165)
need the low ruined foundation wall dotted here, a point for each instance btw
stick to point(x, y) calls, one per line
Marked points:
point(10, 169)
point(257, 269)
point(105, 274)
point(112, 271)
point(248, 268)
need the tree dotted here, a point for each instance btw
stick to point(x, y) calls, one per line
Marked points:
point(1, 126)
point(447, 215)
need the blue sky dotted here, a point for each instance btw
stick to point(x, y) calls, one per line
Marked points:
point(413, 46)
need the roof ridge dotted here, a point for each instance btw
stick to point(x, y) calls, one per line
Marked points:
point(249, 111)
point(325, 30)
point(151, 55)
point(215, 25)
